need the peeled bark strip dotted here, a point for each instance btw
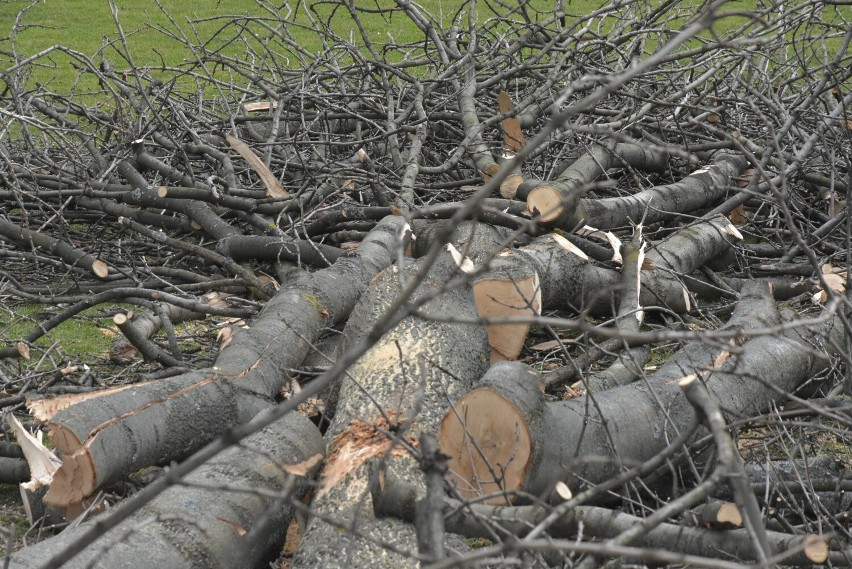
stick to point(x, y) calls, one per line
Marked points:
point(555, 201)
point(273, 188)
point(574, 441)
point(106, 438)
point(400, 388)
point(206, 527)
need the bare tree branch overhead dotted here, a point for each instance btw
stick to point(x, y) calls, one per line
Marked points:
point(518, 284)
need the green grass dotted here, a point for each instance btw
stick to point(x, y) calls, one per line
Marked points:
point(76, 337)
point(89, 27)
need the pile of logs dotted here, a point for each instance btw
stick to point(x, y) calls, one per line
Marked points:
point(443, 276)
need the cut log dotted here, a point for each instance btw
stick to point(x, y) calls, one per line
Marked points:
point(505, 427)
point(147, 324)
point(715, 515)
point(201, 524)
point(575, 442)
point(69, 254)
point(570, 281)
point(150, 351)
point(508, 289)
point(400, 388)
point(701, 188)
point(108, 437)
point(262, 247)
point(556, 201)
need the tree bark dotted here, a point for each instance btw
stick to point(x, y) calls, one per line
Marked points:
point(588, 439)
point(107, 437)
point(394, 497)
point(702, 187)
point(556, 201)
point(400, 388)
point(201, 524)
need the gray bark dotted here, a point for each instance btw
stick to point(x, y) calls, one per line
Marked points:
point(207, 526)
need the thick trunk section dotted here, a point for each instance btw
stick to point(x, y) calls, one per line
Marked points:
point(508, 289)
point(198, 525)
point(584, 440)
point(400, 388)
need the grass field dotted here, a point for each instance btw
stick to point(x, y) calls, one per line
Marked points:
point(152, 30)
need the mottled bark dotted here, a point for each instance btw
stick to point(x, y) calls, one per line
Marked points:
point(400, 388)
point(108, 437)
point(201, 524)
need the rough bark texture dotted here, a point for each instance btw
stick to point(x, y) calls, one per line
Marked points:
point(639, 416)
point(590, 440)
point(108, 438)
point(268, 152)
point(206, 526)
point(401, 387)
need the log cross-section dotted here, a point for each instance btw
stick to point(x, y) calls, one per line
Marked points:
point(508, 289)
point(491, 454)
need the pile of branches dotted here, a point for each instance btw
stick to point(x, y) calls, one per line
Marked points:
point(378, 226)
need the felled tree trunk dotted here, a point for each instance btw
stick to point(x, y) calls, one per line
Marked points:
point(206, 526)
point(569, 280)
point(702, 187)
point(401, 387)
point(556, 200)
point(577, 440)
point(108, 436)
